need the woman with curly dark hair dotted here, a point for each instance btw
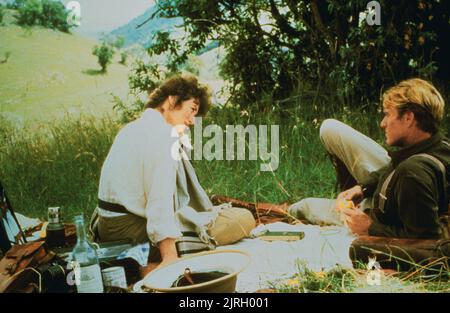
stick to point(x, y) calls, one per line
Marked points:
point(145, 182)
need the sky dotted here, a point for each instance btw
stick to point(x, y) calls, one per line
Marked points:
point(99, 16)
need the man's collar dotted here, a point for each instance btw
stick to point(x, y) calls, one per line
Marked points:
point(422, 146)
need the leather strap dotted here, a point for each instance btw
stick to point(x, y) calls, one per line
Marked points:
point(112, 207)
point(382, 194)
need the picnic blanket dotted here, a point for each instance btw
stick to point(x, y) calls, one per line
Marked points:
point(321, 249)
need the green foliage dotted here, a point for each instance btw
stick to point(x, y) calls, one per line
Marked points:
point(119, 43)
point(47, 13)
point(273, 46)
point(54, 16)
point(146, 76)
point(30, 13)
point(2, 13)
point(193, 65)
point(7, 55)
point(104, 53)
point(16, 4)
point(126, 111)
point(307, 281)
point(123, 58)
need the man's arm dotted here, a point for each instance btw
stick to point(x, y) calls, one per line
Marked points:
point(364, 189)
point(168, 249)
point(370, 183)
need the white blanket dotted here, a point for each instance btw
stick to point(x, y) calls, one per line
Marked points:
point(322, 248)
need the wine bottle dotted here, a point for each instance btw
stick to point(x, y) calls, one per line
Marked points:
point(88, 277)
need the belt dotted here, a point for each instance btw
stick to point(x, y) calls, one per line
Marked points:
point(112, 207)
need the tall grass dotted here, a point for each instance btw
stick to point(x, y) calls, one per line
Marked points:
point(59, 164)
point(55, 164)
point(304, 168)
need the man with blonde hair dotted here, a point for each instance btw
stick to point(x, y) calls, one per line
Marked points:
point(401, 193)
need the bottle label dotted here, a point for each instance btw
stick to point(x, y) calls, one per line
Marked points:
point(89, 279)
point(53, 215)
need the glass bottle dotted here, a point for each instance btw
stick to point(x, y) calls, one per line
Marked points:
point(55, 229)
point(88, 277)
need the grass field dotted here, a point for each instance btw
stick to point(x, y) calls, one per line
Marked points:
point(49, 74)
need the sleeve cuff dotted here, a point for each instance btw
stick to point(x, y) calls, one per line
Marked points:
point(368, 185)
point(163, 231)
point(376, 229)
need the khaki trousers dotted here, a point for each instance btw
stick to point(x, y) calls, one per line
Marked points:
point(231, 225)
point(127, 226)
point(360, 154)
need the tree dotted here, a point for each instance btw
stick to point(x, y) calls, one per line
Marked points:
point(274, 45)
point(123, 58)
point(2, 13)
point(104, 53)
point(119, 43)
point(54, 15)
point(47, 13)
point(15, 5)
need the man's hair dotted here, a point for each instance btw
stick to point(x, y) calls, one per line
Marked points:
point(419, 97)
point(183, 87)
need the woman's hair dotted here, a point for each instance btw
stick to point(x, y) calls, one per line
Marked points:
point(420, 97)
point(183, 87)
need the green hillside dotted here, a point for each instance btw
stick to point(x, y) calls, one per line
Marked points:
point(49, 74)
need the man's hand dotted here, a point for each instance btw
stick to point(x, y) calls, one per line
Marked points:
point(354, 194)
point(358, 222)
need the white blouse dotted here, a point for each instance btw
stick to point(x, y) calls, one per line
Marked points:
point(140, 174)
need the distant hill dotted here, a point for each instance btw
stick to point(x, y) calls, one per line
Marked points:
point(143, 34)
point(49, 73)
point(207, 59)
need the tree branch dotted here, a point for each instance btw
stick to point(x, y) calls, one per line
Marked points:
point(322, 28)
point(282, 23)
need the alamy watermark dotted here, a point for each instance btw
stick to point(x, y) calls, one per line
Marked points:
point(74, 276)
point(373, 277)
point(231, 143)
point(372, 14)
point(74, 15)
